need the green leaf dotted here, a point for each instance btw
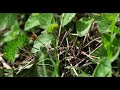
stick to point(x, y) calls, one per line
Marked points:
point(32, 21)
point(105, 24)
point(108, 17)
point(106, 40)
point(83, 26)
point(12, 47)
point(103, 69)
point(104, 27)
point(6, 20)
point(45, 38)
point(100, 52)
point(116, 55)
point(43, 20)
point(66, 18)
point(43, 65)
point(46, 19)
point(113, 46)
point(13, 33)
point(117, 30)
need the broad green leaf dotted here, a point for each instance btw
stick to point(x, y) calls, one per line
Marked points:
point(100, 52)
point(117, 30)
point(44, 38)
point(43, 71)
point(105, 24)
point(13, 33)
point(113, 46)
point(66, 18)
point(43, 65)
point(117, 40)
point(104, 27)
point(108, 17)
point(6, 20)
point(55, 72)
point(45, 20)
point(115, 57)
point(103, 69)
point(32, 21)
point(106, 40)
point(83, 26)
point(12, 47)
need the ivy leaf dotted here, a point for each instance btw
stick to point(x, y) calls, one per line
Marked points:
point(106, 40)
point(46, 19)
point(103, 69)
point(108, 17)
point(100, 52)
point(104, 26)
point(43, 20)
point(45, 38)
point(83, 26)
point(13, 33)
point(6, 20)
point(66, 18)
point(44, 65)
point(116, 54)
point(32, 21)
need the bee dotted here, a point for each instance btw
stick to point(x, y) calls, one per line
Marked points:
point(32, 35)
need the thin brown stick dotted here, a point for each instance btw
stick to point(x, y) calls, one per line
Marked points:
point(92, 41)
point(68, 46)
point(65, 35)
point(96, 48)
point(60, 26)
point(5, 65)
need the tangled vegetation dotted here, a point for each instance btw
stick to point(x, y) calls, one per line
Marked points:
point(59, 45)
